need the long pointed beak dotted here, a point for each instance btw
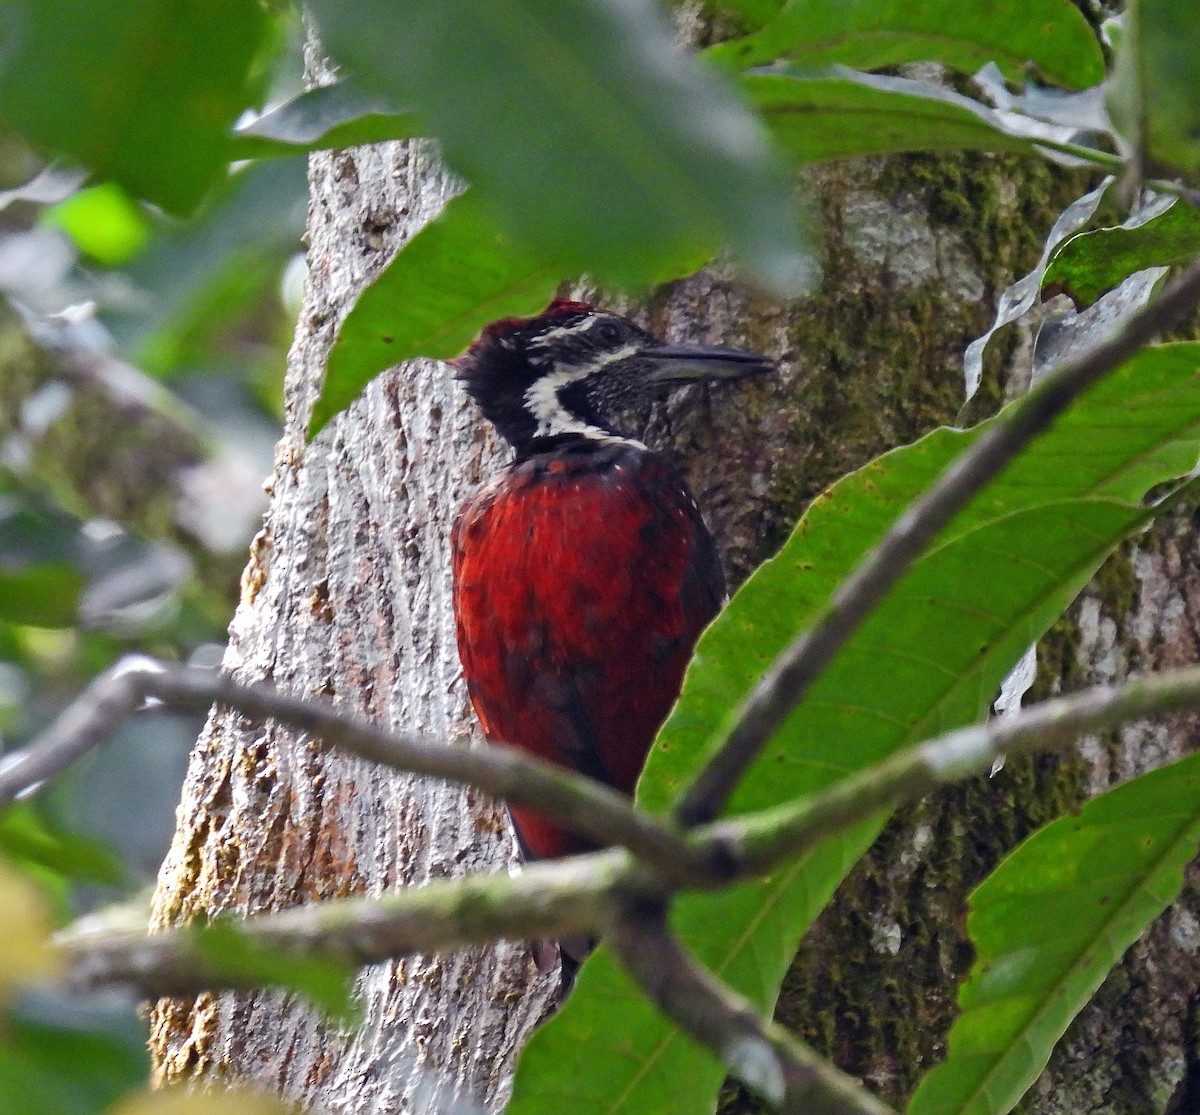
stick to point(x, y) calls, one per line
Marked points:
point(685, 363)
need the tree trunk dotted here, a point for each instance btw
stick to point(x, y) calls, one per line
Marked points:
point(347, 595)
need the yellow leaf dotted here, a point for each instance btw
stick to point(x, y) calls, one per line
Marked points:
point(203, 1101)
point(25, 929)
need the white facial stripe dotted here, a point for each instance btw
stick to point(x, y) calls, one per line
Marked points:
point(542, 401)
point(579, 328)
point(552, 335)
point(595, 363)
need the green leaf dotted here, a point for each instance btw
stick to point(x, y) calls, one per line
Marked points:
point(48, 1070)
point(452, 278)
point(142, 92)
point(103, 222)
point(1091, 263)
point(25, 837)
point(30, 534)
point(1169, 73)
point(337, 115)
point(1050, 923)
point(586, 129)
point(944, 639)
point(838, 114)
point(44, 595)
point(753, 13)
point(327, 984)
point(1051, 34)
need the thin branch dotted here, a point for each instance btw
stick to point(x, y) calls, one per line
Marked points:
point(579, 803)
point(789, 677)
point(553, 899)
point(757, 843)
point(579, 894)
point(761, 1054)
point(1115, 164)
point(709, 857)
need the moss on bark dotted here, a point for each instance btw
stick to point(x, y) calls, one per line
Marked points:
point(919, 247)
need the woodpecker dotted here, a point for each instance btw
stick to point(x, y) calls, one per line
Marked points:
point(583, 572)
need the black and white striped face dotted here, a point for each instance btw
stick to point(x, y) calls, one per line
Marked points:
point(590, 368)
point(570, 371)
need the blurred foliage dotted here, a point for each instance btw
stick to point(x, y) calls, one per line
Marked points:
point(212, 1101)
point(197, 304)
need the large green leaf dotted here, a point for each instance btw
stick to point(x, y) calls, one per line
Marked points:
point(995, 579)
point(1049, 924)
point(202, 277)
point(600, 144)
point(139, 91)
point(457, 274)
point(1089, 264)
point(869, 34)
point(838, 114)
point(1169, 73)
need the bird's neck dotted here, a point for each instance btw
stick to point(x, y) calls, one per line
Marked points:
point(572, 441)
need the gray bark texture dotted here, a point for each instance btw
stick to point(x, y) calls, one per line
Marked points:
point(347, 595)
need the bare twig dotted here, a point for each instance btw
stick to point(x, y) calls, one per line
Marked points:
point(789, 677)
point(553, 899)
point(709, 857)
point(764, 1056)
point(579, 803)
point(1115, 164)
point(757, 843)
point(580, 894)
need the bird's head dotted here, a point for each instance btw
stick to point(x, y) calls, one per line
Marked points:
point(570, 371)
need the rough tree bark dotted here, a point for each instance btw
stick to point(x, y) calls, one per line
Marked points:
point(346, 594)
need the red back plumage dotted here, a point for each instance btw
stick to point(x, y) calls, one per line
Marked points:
point(581, 586)
point(583, 573)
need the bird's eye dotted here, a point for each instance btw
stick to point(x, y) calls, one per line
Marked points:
point(607, 332)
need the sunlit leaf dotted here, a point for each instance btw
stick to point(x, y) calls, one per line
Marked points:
point(838, 114)
point(457, 274)
point(104, 223)
point(1049, 924)
point(25, 928)
point(586, 128)
point(869, 34)
point(944, 639)
point(205, 1101)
